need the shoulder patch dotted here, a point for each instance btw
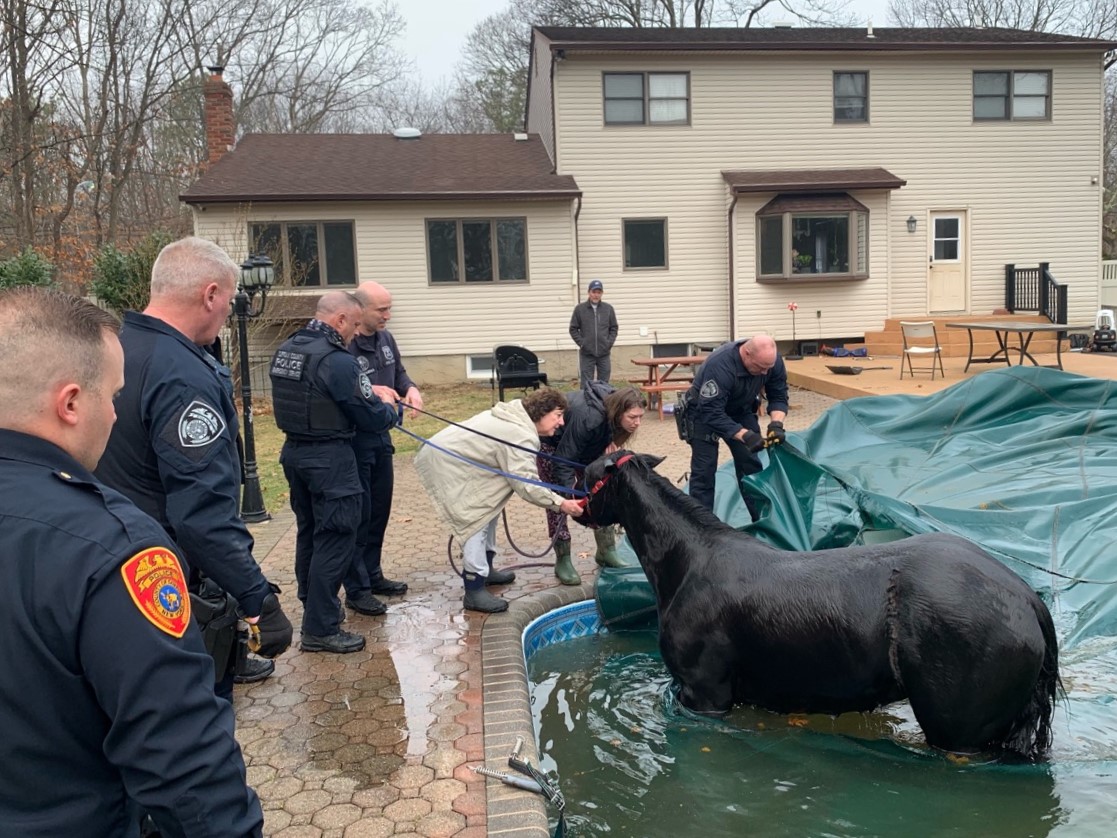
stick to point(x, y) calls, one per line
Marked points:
point(366, 386)
point(709, 390)
point(199, 425)
point(154, 581)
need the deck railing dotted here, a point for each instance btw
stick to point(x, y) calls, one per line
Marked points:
point(1035, 289)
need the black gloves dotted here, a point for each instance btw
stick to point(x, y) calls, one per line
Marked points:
point(270, 636)
point(753, 441)
point(776, 433)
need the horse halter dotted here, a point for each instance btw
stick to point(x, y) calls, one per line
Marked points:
point(600, 484)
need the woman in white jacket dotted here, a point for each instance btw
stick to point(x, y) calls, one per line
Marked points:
point(469, 499)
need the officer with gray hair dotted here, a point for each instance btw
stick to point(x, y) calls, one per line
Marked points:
point(173, 450)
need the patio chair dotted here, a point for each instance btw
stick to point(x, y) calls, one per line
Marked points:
point(515, 367)
point(921, 341)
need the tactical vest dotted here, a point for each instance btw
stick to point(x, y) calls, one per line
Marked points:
point(303, 407)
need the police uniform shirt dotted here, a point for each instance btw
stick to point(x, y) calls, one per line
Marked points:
point(106, 692)
point(378, 357)
point(173, 453)
point(725, 395)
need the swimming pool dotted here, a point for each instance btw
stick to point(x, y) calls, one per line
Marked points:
point(630, 763)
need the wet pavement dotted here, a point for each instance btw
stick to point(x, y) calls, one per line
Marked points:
point(382, 742)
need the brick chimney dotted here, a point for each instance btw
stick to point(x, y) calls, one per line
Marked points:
point(221, 132)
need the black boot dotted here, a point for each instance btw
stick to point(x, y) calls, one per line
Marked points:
point(478, 599)
point(498, 577)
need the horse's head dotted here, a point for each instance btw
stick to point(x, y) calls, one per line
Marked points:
point(600, 509)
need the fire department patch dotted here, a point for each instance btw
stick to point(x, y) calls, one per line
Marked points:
point(156, 585)
point(199, 425)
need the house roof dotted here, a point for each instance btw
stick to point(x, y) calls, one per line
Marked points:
point(813, 38)
point(812, 202)
point(380, 167)
point(811, 180)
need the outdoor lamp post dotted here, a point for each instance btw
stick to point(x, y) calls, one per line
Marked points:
point(256, 274)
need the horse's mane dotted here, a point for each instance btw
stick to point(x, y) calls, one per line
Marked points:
point(683, 503)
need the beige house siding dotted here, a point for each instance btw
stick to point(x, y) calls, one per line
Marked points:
point(1026, 187)
point(540, 117)
point(440, 323)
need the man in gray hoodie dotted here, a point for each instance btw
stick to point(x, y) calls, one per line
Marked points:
point(594, 328)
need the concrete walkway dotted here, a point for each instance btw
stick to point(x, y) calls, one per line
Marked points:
point(382, 742)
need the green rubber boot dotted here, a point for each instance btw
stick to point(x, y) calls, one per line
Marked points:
point(606, 555)
point(564, 565)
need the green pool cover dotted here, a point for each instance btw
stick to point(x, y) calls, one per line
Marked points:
point(1022, 461)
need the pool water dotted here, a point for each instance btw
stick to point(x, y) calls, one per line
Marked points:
point(630, 763)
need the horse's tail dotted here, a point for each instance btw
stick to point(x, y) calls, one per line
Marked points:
point(1030, 732)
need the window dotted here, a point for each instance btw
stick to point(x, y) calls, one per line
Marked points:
point(479, 366)
point(647, 98)
point(1015, 94)
point(645, 243)
point(812, 237)
point(308, 253)
point(851, 97)
point(477, 250)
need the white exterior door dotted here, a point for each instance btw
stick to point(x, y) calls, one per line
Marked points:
point(949, 267)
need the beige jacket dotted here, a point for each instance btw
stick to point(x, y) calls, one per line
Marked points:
point(468, 497)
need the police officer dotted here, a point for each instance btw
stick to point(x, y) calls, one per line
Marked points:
point(321, 399)
point(173, 451)
point(723, 403)
point(379, 358)
point(106, 699)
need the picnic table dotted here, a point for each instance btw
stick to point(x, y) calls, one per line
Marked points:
point(665, 374)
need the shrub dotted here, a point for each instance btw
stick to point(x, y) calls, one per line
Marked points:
point(122, 281)
point(28, 268)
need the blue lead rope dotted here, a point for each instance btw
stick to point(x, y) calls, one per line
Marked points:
point(399, 412)
point(560, 490)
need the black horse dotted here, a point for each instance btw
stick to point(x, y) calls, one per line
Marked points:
point(932, 618)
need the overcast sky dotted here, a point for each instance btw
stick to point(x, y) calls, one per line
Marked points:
point(437, 29)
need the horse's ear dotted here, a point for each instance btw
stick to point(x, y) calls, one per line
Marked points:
point(651, 460)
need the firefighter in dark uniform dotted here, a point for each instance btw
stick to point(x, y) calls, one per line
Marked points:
point(724, 403)
point(106, 699)
point(173, 449)
point(379, 358)
point(321, 399)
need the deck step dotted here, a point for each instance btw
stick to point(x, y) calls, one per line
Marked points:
point(955, 342)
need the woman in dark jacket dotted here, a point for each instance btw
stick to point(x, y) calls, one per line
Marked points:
point(598, 420)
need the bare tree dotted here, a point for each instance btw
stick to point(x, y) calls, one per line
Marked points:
point(1095, 18)
point(101, 122)
point(1109, 171)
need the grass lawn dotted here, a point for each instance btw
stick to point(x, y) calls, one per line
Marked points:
point(456, 402)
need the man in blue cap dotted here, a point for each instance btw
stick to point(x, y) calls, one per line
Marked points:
point(594, 328)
